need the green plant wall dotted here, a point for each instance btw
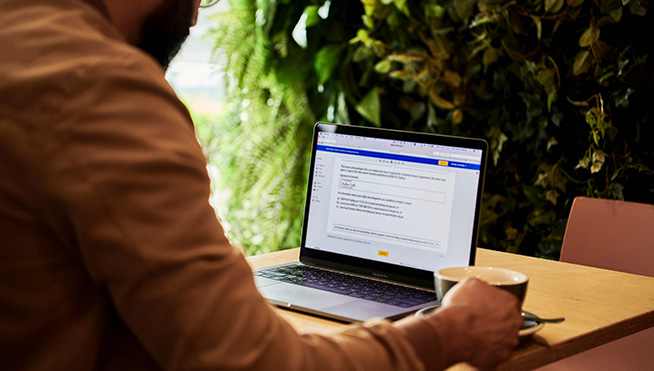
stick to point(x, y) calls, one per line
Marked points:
point(561, 90)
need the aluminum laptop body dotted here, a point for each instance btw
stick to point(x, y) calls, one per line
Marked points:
point(385, 205)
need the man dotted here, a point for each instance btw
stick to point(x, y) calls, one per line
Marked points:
point(111, 256)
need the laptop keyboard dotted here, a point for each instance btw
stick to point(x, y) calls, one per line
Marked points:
point(357, 287)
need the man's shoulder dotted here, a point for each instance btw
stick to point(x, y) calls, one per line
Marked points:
point(63, 35)
point(59, 54)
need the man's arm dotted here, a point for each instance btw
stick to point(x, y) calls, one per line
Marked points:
point(125, 169)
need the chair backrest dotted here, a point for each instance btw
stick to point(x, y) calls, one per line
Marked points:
point(616, 235)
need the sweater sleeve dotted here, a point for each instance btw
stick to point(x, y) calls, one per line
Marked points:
point(126, 171)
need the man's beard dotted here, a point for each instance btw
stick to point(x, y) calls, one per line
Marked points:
point(166, 29)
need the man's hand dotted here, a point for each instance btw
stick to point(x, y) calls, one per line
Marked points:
point(478, 323)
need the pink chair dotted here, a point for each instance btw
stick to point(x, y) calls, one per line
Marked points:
point(616, 235)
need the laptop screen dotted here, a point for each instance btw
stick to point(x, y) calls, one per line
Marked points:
point(400, 199)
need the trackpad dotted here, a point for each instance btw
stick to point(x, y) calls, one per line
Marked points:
point(284, 294)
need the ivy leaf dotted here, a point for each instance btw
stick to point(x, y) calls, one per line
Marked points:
point(551, 143)
point(342, 116)
point(617, 14)
point(617, 190)
point(598, 161)
point(546, 76)
point(551, 98)
point(539, 26)
point(441, 102)
point(457, 116)
point(459, 99)
point(313, 18)
point(452, 78)
point(589, 37)
point(401, 5)
point(511, 232)
point(553, 6)
point(464, 8)
point(583, 163)
point(369, 107)
point(490, 56)
point(607, 6)
point(369, 8)
point(637, 8)
point(498, 138)
point(362, 37)
point(552, 195)
point(383, 66)
point(326, 60)
point(582, 62)
point(434, 11)
point(600, 48)
point(543, 180)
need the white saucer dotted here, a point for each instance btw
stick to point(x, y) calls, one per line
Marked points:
point(529, 327)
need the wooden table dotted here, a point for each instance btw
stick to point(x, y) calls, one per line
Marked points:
point(599, 305)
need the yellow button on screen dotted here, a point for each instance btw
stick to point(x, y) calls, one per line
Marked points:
point(383, 253)
point(442, 163)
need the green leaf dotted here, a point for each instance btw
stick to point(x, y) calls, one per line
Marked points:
point(369, 107)
point(441, 102)
point(553, 6)
point(362, 37)
point(383, 66)
point(312, 17)
point(369, 7)
point(606, 76)
point(598, 161)
point(551, 143)
point(464, 8)
point(589, 37)
point(490, 56)
point(552, 195)
point(617, 14)
point(401, 6)
point(617, 191)
point(539, 26)
point(342, 115)
point(546, 77)
point(607, 6)
point(582, 62)
point(434, 10)
point(497, 143)
point(551, 98)
point(326, 60)
point(452, 78)
point(637, 8)
point(600, 49)
point(457, 116)
point(583, 163)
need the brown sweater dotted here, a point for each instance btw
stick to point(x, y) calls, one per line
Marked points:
point(110, 255)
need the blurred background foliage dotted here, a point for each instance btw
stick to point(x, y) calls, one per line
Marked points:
point(561, 90)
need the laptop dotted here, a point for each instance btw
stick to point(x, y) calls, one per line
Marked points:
point(384, 210)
